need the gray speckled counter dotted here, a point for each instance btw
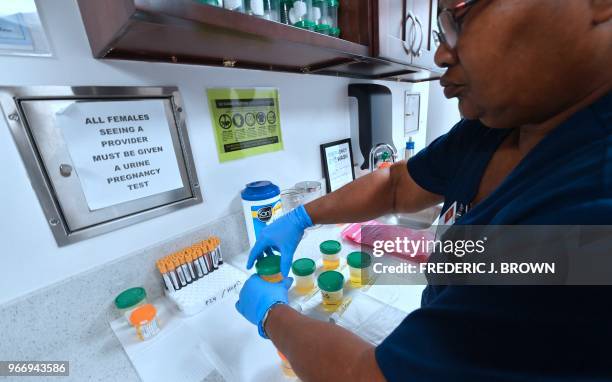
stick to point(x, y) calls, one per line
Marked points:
point(70, 320)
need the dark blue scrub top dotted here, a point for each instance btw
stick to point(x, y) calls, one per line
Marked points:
point(519, 333)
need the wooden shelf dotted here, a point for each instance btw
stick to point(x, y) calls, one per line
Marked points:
point(188, 32)
point(185, 31)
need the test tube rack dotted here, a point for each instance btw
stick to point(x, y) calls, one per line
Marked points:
point(196, 277)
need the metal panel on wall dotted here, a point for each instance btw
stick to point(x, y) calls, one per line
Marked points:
point(102, 158)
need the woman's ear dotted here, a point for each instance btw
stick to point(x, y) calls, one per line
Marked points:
point(602, 11)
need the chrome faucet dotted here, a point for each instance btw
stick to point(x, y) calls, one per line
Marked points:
point(382, 152)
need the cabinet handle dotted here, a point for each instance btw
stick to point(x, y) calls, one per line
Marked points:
point(418, 52)
point(411, 35)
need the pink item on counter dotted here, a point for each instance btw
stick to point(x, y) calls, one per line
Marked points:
point(388, 232)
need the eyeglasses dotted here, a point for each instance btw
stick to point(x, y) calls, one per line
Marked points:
point(449, 25)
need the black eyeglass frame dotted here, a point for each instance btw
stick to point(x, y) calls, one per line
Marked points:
point(441, 36)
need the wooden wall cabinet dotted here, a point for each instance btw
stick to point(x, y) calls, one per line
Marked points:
point(185, 31)
point(405, 32)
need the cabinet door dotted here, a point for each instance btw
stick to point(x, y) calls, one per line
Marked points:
point(425, 13)
point(391, 36)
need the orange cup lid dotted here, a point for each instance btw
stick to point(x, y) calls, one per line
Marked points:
point(143, 314)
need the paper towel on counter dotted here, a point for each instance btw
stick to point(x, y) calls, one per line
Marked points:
point(232, 345)
point(369, 318)
point(172, 355)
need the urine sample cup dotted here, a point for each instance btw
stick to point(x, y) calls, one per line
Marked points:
point(303, 272)
point(286, 366)
point(331, 284)
point(130, 299)
point(359, 266)
point(330, 250)
point(144, 320)
point(290, 199)
point(268, 268)
point(310, 190)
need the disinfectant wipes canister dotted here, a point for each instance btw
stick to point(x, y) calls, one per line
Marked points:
point(261, 205)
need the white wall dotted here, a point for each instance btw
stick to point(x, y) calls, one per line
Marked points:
point(442, 113)
point(314, 110)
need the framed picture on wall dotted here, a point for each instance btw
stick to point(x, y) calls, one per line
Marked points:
point(337, 158)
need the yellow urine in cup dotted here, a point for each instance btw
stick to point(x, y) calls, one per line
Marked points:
point(332, 300)
point(359, 276)
point(304, 284)
point(331, 262)
point(286, 366)
point(275, 278)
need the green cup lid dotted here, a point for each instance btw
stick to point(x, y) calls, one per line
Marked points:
point(130, 297)
point(330, 281)
point(333, 3)
point(323, 28)
point(330, 247)
point(359, 259)
point(334, 32)
point(268, 265)
point(210, 2)
point(305, 24)
point(303, 267)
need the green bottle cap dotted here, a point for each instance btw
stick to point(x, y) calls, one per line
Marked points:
point(333, 3)
point(130, 297)
point(334, 32)
point(268, 265)
point(330, 247)
point(303, 267)
point(359, 260)
point(330, 281)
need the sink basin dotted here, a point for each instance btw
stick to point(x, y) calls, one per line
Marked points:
point(419, 220)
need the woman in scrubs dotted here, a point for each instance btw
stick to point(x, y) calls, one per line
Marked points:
point(533, 79)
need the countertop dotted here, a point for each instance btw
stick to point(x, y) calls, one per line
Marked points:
point(98, 355)
point(405, 298)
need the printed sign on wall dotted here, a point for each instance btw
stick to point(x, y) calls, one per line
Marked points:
point(245, 121)
point(337, 164)
point(121, 150)
point(14, 34)
point(21, 31)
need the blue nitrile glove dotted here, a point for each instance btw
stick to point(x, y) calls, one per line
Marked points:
point(283, 236)
point(258, 295)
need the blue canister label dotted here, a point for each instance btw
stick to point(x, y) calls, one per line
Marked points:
point(264, 214)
